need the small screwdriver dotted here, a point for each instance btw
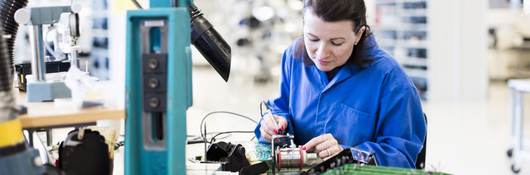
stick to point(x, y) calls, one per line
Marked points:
point(280, 130)
point(269, 113)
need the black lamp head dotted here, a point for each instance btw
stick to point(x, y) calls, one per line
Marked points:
point(209, 43)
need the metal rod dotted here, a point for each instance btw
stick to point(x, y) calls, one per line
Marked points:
point(37, 62)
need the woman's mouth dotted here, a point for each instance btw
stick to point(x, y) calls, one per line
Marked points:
point(323, 62)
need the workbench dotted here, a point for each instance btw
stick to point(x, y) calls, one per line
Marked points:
point(45, 116)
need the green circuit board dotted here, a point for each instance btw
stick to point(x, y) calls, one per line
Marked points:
point(262, 151)
point(355, 169)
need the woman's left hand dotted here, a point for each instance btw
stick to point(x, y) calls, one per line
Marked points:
point(325, 146)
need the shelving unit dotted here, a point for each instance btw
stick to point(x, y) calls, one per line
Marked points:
point(401, 28)
point(99, 57)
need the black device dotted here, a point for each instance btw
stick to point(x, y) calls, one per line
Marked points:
point(255, 169)
point(88, 155)
point(232, 156)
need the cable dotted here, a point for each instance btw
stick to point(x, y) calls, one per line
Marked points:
point(267, 107)
point(199, 139)
point(9, 25)
point(221, 112)
point(135, 2)
point(203, 123)
point(261, 107)
point(229, 132)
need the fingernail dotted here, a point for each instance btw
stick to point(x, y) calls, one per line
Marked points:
point(303, 148)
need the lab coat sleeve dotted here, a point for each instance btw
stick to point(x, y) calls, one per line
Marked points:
point(280, 105)
point(400, 127)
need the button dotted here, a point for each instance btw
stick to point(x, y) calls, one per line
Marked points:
point(154, 102)
point(153, 83)
point(152, 63)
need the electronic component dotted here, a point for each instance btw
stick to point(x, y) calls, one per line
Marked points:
point(232, 156)
point(286, 155)
point(346, 156)
point(295, 158)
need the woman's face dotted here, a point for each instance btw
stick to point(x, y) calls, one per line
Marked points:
point(329, 44)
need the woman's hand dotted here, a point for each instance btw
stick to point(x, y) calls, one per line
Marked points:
point(325, 146)
point(268, 128)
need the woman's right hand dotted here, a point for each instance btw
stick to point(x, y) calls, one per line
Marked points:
point(268, 128)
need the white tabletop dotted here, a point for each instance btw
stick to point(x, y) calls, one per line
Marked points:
point(520, 84)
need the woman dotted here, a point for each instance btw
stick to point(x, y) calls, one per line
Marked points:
point(340, 90)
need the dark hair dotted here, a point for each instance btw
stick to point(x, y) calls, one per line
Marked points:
point(339, 10)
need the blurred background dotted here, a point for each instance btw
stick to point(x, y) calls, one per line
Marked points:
point(459, 54)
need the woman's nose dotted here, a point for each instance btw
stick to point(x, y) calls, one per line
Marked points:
point(322, 51)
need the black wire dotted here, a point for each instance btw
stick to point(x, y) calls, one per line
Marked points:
point(135, 2)
point(119, 144)
point(199, 139)
point(203, 121)
point(195, 140)
point(229, 132)
point(261, 108)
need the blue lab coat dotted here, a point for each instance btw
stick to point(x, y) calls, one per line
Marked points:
point(375, 108)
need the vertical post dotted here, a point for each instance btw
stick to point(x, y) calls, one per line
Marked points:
point(513, 112)
point(37, 62)
point(518, 114)
point(146, 153)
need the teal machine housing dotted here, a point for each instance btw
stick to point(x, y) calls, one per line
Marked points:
point(158, 88)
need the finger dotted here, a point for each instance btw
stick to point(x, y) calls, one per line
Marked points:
point(282, 122)
point(273, 126)
point(323, 145)
point(269, 126)
point(309, 146)
point(335, 150)
point(265, 135)
point(330, 152)
point(267, 130)
point(322, 154)
point(326, 145)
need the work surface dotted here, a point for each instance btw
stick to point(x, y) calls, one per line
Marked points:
point(50, 114)
point(257, 152)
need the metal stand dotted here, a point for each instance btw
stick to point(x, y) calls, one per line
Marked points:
point(517, 152)
point(38, 89)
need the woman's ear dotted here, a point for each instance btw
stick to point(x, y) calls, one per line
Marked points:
point(359, 35)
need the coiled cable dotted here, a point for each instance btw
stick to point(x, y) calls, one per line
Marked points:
point(9, 25)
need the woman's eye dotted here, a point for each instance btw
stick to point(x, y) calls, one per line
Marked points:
point(313, 40)
point(336, 44)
